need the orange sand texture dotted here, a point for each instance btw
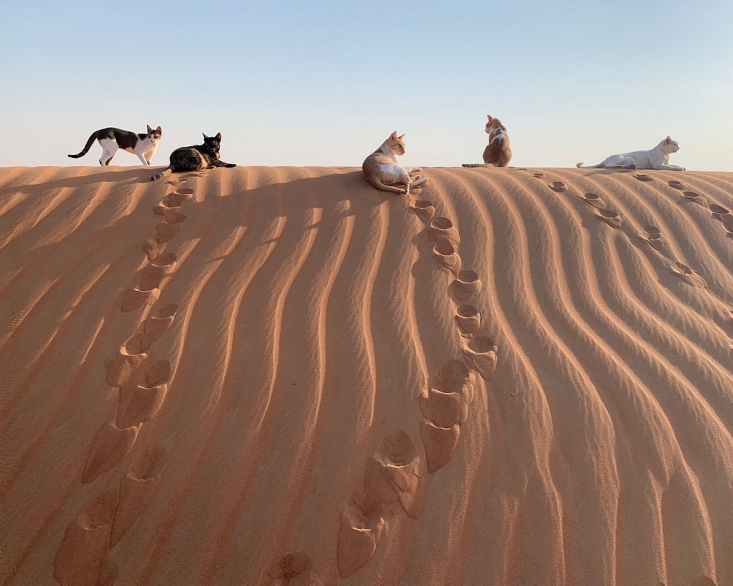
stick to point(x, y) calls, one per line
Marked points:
point(261, 376)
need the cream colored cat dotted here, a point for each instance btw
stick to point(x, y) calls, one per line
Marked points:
point(656, 158)
point(384, 172)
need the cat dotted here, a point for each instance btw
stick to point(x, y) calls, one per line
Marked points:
point(656, 158)
point(111, 139)
point(383, 172)
point(498, 152)
point(193, 158)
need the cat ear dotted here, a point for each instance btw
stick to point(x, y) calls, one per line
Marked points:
point(669, 139)
point(489, 117)
point(218, 136)
point(205, 137)
point(149, 129)
point(159, 130)
point(401, 136)
point(393, 136)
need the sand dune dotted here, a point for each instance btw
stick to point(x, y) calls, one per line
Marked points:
point(282, 376)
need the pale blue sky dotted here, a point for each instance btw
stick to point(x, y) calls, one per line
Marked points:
point(325, 82)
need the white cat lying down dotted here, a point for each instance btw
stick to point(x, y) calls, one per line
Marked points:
point(656, 158)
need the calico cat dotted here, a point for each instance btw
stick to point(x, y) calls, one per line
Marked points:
point(111, 139)
point(383, 172)
point(193, 158)
point(656, 158)
point(498, 152)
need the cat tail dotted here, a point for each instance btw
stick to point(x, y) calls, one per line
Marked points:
point(379, 185)
point(87, 146)
point(476, 165)
point(582, 166)
point(162, 174)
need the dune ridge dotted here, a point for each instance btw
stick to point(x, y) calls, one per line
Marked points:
point(280, 375)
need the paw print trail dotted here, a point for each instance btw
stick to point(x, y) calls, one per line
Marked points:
point(142, 386)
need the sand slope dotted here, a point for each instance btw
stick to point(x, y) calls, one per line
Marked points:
point(265, 376)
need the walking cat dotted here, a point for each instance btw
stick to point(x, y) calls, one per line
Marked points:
point(498, 152)
point(383, 171)
point(656, 158)
point(193, 158)
point(111, 139)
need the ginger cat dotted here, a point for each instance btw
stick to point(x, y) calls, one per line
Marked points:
point(383, 171)
point(498, 152)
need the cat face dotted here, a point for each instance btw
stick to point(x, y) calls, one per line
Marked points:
point(212, 144)
point(154, 135)
point(670, 146)
point(396, 144)
point(492, 125)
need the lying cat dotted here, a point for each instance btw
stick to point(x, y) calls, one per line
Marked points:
point(498, 152)
point(111, 139)
point(656, 158)
point(193, 158)
point(383, 172)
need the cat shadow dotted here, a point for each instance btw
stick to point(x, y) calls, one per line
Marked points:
point(608, 171)
point(102, 175)
point(289, 200)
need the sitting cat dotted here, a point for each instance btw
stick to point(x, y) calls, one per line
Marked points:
point(383, 172)
point(656, 158)
point(111, 139)
point(193, 158)
point(498, 152)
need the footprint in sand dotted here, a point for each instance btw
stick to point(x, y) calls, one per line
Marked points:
point(480, 354)
point(558, 186)
point(441, 227)
point(643, 177)
point(359, 533)
point(653, 236)
point(611, 217)
point(157, 324)
point(727, 221)
point(592, 199)
point(423, 209)
point(676, 185)
point(439, 443)
point(445, 255)
point(81, 557)
point(292, 568)
point(166, 232)
point(702, 581)
point(397, 474)
point(136, 297)
point(158, 268)
point(152, 249)
point(688, 275)
point(538, 175)
point(137, 489)
point(126, 367)
point(139, 404)
point(109, 447)
point(445, 408)
point(468, 319)
point(180, 195)
point(718, 211)
point(466, 285)
point(696, 197)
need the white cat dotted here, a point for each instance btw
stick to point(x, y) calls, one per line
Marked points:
point(383, 171)
point(656, 158)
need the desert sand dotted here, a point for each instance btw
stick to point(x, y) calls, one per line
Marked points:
point(261, 376)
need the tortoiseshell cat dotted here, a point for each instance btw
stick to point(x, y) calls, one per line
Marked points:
point(111, 139)
point(193, 158)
